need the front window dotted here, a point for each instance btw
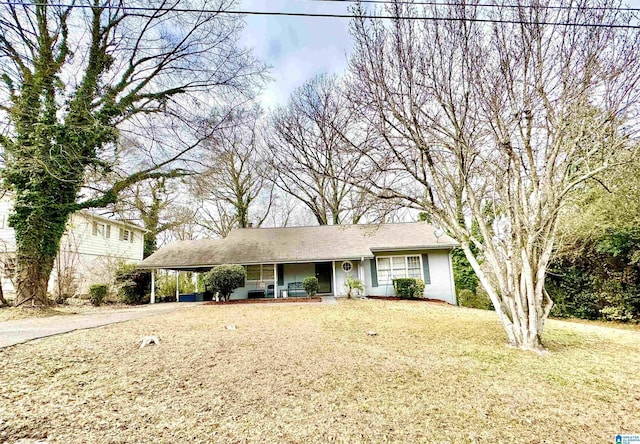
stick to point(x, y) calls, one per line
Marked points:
point(384, 269)
point(259, 272)
point(267, 272)
point(253, 272)
point(393, 267)
point(99, 229)
point(413, 267)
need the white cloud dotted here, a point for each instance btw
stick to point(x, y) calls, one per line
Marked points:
point(297, 48)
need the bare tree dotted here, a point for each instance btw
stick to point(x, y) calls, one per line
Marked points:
point(306, 140)
point(82, 87)
point(234, 190)
point(66, 267)
point(490, 117)
point(158, 205)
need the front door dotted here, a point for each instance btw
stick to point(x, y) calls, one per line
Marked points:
point(323, 274)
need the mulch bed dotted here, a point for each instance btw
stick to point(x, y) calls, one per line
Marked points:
point(264, 301)
point(395, 298)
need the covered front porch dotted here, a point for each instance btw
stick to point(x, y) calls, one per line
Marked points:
point(274, 280)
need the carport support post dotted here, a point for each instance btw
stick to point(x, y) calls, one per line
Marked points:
point(177, 285)
point(153, 286)
point(196, 276)
point(275, 281)
point(361, 276)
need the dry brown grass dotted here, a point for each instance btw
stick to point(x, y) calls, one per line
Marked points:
point(311, 374)
point(75, 306)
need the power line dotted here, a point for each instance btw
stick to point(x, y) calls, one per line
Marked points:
point(477, 5)
point(324, 15)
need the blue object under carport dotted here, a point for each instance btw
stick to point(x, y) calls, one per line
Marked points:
point(191, 297)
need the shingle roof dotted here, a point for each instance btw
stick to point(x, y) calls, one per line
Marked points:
point(297, 244)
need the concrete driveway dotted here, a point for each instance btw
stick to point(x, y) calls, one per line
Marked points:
point(23, 330)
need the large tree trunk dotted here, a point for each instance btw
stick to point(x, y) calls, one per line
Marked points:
point(32, 279)
point(38, 231)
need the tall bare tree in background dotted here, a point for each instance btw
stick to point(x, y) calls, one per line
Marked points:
point(234, 190)
point(159, 205)
point(307, 150)
point(78, 80)
point(493, 125)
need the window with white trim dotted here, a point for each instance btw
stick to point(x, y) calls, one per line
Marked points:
point(347, 266)
point(126, 235)
point(100, 229)
point(4, 223)
point(392, 267)
point(263, 272)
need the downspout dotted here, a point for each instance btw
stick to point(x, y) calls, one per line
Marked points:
point(453, 282)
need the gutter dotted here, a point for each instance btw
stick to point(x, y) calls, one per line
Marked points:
point(266, 261)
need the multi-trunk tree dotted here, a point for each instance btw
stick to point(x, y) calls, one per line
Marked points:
point(76, 79)
point(487, 118)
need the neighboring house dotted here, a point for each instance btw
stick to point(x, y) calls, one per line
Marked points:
point(278, 259)
point(90, 251)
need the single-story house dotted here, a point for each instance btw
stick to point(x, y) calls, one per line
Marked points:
point(278, 259)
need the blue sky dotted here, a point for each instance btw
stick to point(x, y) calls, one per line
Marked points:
point(296, 48)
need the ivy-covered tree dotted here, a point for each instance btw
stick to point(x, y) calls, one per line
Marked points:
point(77, 80)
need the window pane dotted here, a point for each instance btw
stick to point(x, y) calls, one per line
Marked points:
point(413, 267)
point(413, 261)
point(253, 272)
point(384, 276)
point(384, 263)
point(267, 272)
point(399, 267)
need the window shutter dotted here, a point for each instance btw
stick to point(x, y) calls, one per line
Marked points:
point(121, 234)
point(374, 273)
point(131, 236)
point(108, 231)
point(280, 274)
point(95, 228)
point(425, 268)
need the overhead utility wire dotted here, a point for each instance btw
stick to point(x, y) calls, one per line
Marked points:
point(321, 15)
point(477, 5)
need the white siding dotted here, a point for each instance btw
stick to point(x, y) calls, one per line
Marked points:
point(79, 237)
point(341, 277)
point(94, 258)
point(292, 273)
point(441, 286)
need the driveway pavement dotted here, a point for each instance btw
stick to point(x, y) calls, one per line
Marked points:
point(23, 330)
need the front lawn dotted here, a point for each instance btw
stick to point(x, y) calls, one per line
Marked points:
point(310, 373)
point(73, 306)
